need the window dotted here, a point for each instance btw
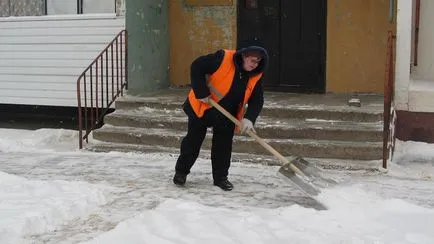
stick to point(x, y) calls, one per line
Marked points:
point(98, 6)
point(21, 8)
point(55, 7)
point(61, 7)
point(80, 6)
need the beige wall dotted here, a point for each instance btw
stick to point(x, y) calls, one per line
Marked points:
point(196, 28)
point(356, 45)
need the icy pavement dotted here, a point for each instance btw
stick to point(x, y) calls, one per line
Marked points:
point(143, 182)
point(130, 198)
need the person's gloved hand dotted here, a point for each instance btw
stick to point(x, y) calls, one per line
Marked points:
point(246, 125)
point(205, 99)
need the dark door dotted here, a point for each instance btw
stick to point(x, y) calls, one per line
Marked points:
point(294, 34)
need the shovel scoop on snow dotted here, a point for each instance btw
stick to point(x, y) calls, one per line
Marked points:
point(296, 169)
point(305, 175)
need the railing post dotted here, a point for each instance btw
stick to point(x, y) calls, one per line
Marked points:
point(102, 83)
point(388, 96)
point(96, 91)
point(126, 59)
point(117, 65)
point(106, 77)
point(80, 125)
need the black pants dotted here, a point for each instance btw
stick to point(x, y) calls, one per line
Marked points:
point(221, 150)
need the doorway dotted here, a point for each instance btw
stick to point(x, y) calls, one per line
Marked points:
point(294, 35)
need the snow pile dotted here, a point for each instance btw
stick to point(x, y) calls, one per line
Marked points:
point(29, 207)
point(413, 152)
point(392, 207)
point(355, 216)
point(46, 140)
point(413, 159)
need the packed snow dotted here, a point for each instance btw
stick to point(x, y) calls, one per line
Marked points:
point(34, 206)
point(50, 192)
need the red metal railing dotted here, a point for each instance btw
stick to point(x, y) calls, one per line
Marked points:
point(389, 116)
point(100, 84)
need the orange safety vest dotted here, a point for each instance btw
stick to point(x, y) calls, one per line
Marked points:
point(220, 82)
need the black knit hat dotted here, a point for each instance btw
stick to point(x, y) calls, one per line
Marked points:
point(256, 45)
point(253, 41)
point(252, 44)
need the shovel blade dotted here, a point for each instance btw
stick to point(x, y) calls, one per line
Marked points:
point(310, 180)
point(316, 175)
point(301, 182)
point(313, 176)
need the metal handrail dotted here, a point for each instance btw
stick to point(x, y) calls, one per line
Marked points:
point(389, 116)
point(107, 72)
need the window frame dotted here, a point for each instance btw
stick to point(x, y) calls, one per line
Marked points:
point(79, 6)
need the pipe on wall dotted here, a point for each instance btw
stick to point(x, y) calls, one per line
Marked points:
point(391, 8)
point(416, 32)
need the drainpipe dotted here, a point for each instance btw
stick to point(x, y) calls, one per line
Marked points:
point(416, 34)
point(10, 8)
point(391, 8)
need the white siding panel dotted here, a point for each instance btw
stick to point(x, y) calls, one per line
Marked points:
point(66, 71)
point(42, 57)
point(45, 93)
point(29, 48)
point(47, 63)
point(70, 55)
point(70, 31)
point(43, 101)
point(49, 93)
point(56, 39)
point(28, 100)
point(56, 63)
point(42, 85)
point(45, 71)
point(60, 79)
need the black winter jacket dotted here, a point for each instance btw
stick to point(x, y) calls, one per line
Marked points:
point(208, 64)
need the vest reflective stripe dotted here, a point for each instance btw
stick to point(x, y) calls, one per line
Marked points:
point(221, 82)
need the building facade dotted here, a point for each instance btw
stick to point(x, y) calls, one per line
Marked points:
point(315, 45)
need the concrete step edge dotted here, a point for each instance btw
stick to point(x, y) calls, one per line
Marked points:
point(262, 122)
point(167, 132)
point(324, 163)
point(178, 104)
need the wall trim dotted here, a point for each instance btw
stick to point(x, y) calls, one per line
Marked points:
point(415, 126)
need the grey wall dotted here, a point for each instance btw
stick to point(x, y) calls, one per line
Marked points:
point(148, 44)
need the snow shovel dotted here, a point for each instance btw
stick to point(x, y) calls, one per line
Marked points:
point(295, 169)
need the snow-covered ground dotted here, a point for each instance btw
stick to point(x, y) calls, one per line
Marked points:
point(52, 193)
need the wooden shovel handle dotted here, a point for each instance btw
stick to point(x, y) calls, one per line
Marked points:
point(257, 138)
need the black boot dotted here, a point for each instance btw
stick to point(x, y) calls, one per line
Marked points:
point(225, 185)
point(179, 179)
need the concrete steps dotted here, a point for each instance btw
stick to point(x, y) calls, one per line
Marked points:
point(287, 147)
point(312, 126)
point(266, 126)
point(300, 111)
point(325, 163)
